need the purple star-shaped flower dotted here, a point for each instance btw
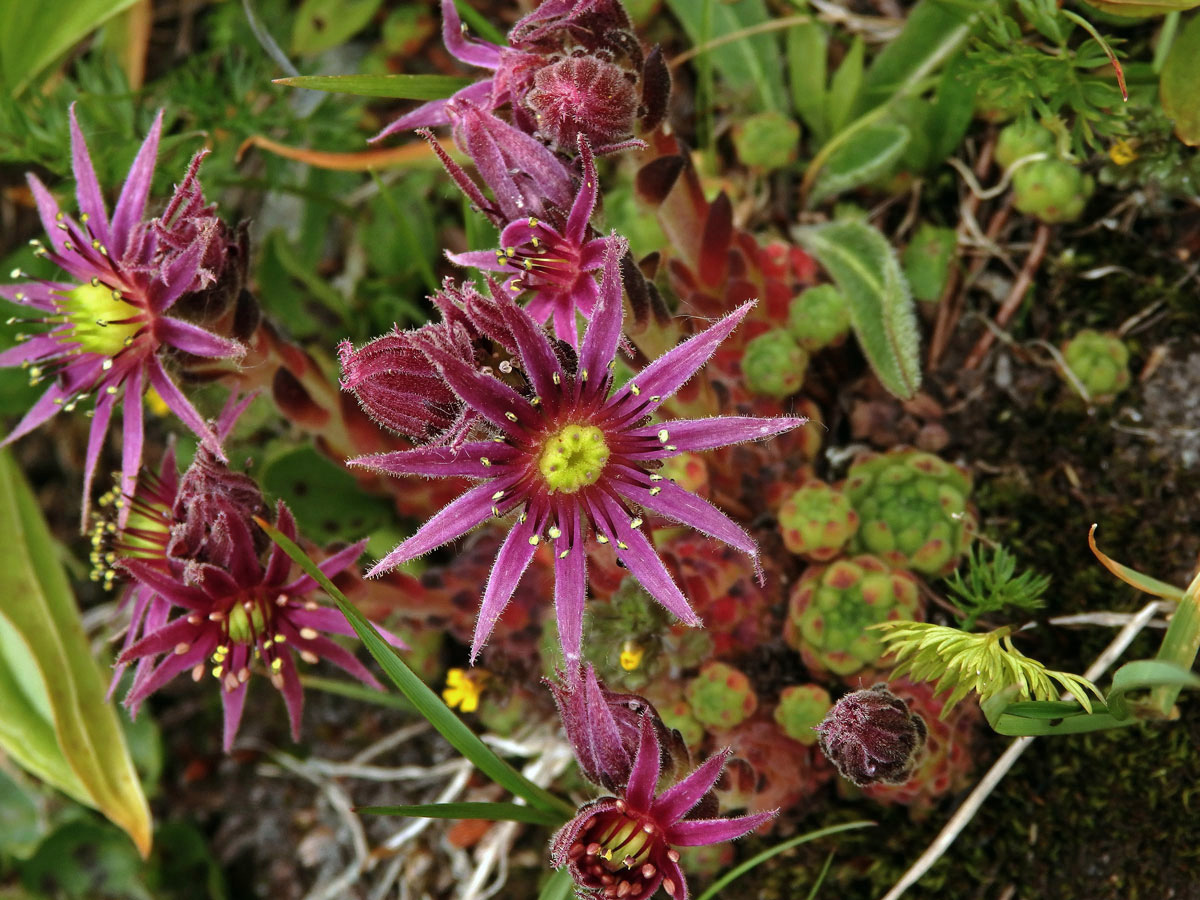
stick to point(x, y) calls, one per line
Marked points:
point(200, 555)
point(626, 846)
point(110, 322)
point(574, 456)
point(556, 267)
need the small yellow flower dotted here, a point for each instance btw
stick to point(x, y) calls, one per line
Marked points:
point(464, 688)
point(1123, 152)
point(157, 404)
point(631, 656)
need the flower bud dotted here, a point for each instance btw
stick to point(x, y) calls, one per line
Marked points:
point(872, 738)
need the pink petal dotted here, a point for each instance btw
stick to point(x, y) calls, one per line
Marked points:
point(585, 200)
point(698, 832)
point(87, 189)
point(570, 588)
point(96, 435)
point(540, 362)
point(470, 510)
point(695, 435)
point(684, 507)
point(131, 439)
point(442, 462)
point(476, 53)
point(604, 331)
point(677, 802)
point(131, 205)
point(639, 793)
point(511, 562)
point(195, 340)
point(179, 404)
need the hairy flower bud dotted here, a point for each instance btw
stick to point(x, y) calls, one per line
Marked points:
point(583, 95)
point(872, 738)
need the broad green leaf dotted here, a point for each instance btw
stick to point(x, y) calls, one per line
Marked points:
point(1034, 718)
point(951, 113)
point(844, 87)
point(1144, 674)
point(399, 87)
point(749, 65)
point(1179, 87)
point(21, 820)
point(1131, 576)
point(34, 35)
point(807, 49)
point(491, 812)
point(872, 154)
point(428, 703)
point(84, 860)
point(933, 32)
point(738, 871)
point(866, 271)
point(321, 25)
point(38, 606)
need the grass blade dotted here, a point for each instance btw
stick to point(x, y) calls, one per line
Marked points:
point(738, 871)
point(428, 703)
point(398, 87)
point(491, 812)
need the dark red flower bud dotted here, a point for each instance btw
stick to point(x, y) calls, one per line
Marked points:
point(583, 95)
point(872, 737)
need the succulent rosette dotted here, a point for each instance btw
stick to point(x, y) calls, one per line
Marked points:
point(109, 319)
point(574, 457)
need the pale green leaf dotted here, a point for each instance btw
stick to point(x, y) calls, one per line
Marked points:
point(868, 274)
point(321, 25)
point(807, 47)
point(844, 87)
point(747, 66)
point(33, 35)
point(871, 155)
point(39, 610)
point(1179, 86)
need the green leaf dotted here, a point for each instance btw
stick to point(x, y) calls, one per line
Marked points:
point(747, 66)
point(807, 49)
point(321, 25)
point(872, 154)
point(58, 687)
point(1036, 718)
point(492, 812)
point(560, 886)
point(34, 35)
point(738, 871)
point(933, 32)
point(1179, 87)
point(428, 703)
point(1141, 8)
point(868, 274)
point(1143, 674)
point(1180, 644)
point(844, 88)
point(399, 87)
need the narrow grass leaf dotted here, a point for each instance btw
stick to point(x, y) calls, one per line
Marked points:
point(491, 812)
point(428, 703)
point(738, 871)
point(398, 87)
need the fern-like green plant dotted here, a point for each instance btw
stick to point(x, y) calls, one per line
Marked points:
point(987, 663)
point(992, 584)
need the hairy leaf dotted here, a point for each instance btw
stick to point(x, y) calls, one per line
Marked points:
point(868, 274)
point(34, 35)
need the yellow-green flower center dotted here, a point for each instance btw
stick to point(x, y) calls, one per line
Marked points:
point(244, 627)
point(92, 310)
point(573, 458)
